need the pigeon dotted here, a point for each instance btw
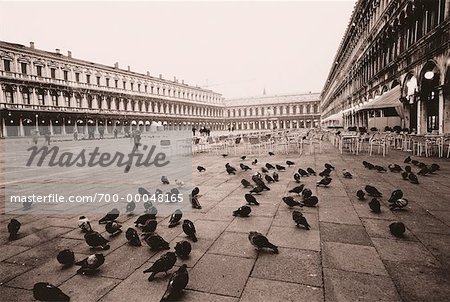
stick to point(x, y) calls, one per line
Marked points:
point(407, 160)
point(325, 172)
point(113, 228)
point(175, 218)
point(380, 169)
point(290, 163)
point(269, 166)
point(179, 183)
point(395, 168)
point(178, 281)
point(299, 219)
point(347, 174)
point(143, 192)
point(360, 194)
point(96, 240)
point(408, 169)
point(424, 171)
point(280, 167)
point(275, 176)
point(43, 291)
point(375, 205)
point(183, 249)
point(368, 165)
point(324, 181)
point(397, 229)
point(246, 183)
point(260, 241)
point(311, 201)
point(244, 167)
point(271, 153)
point(306, 193)
point(311, 171)
point(329, 167)
point(90, 264)
point(195, 191)
point(415, 162)
point(133, 237)
point(110, 216)
point(290, 201)
point(230, 169)
point(297, 177)
point(84, 224)
point(201, 169)
point(243, 211)
point(397, 194)
point(152, 211)
point(264, 170)
point(298, 189)
point(27, 205)
point(13, 228)
point(156, 242)
point(260, 183)
point(269, 179)
point(413, 179)
point(254, 162)
point(250, 199)
point(421, 165)
point(189, 229)
point(398, 204)
point(66, 257)
point(302, 172)
point(195, 203)
point(372, 191)
point(150, 226)
point(141, 220)
point(224, 155)
point(130, 207)
point(243, 157)
point(257, 190)
point(165, 180)
point(163, 264)
point(405, 175)
point(175, 191)
point(434, 168)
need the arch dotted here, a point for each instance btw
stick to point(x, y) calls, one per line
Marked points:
point(395, 83)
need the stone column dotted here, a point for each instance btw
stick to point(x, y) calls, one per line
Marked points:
point(21, 129)
point(441, 110)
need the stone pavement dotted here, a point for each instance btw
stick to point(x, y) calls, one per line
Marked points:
point(348, 255)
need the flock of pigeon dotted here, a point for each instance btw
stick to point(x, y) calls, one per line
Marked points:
point(147, 223)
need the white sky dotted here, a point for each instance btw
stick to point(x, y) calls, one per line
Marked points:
point(238, 48)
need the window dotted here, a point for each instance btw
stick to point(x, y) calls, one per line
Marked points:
point(132, 84)
point(78, 100)
point(23, 68)
point(55, 100)
point(116, 83)
point(41, 100)
point(124, 84)
point(26, 97)
point(98, 81)
point(145, 88)
point(67, 101)
point(139, 87)
point(66, 75)
point(39, 71)
point(9, 95)
point(53, 73)
point(107, 82)
point(88, 78)
point(7, 64)
point(77, 77)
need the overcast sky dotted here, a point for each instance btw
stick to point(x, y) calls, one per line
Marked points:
point(234, 48)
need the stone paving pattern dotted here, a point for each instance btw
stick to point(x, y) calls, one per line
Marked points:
point(348, 255)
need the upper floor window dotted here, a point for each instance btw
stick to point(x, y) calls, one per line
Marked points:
point(77, 77)
point(98, 81)
point(9, 95)
point(78, 101)
point(53, 73)
point(66, 75)
point(116, 83)
point(88, 78)
point(23, 68)
point(41, 100)
point(26, 97)
point(107, 82)
point(131, 85)
point(55, 100)
point(145, 88)
point(7, 65)
point(39, 71)
point(124, 84)
point(139, 87)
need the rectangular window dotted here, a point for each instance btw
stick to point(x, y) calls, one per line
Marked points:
point(66, 75)
point(78, 102)
point(23, 67)
point(53, 73)
point(132, 86)
point(67, 101)
point(98, 81)
point(77, 77)
point(41, 100)
point(55, 100)
point(139, 87)
point(88, 78)
point(145, 88)
point(39, 71)
point(107, 82)
point(124, 85)
point(26, 98)
point(116, 82)
point(9, 97)
point(7, 64)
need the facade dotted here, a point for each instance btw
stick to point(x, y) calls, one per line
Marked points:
point(273, 112)
point(61, 94)
point(392, 68)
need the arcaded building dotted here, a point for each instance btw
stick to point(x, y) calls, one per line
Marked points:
point(59, 93)
point(273, 112)
point(392, 68)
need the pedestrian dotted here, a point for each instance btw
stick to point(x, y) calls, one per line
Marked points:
point(75, 135)
point(35, 136)
point(116, 132)
point(101, 131)
point(47, 137)
point(137, 139)
point(193, 131)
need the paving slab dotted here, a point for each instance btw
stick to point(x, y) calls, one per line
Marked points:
point(10, 270)
point(233, 244)
point(276, 291)
point(344, 233)
point(251, 223)
point(294, 237)
point(16, 294)
point(86, 288)
point(379, 228)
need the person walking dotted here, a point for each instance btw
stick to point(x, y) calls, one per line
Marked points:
point(116, 132)
point(193, 131)
point(75, 135)
point(35, 136)
point(47, 137)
